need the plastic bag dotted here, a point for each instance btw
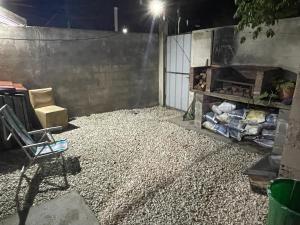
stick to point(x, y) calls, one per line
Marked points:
point(223, 118)
point(271, 122)
point(268, 126)
point(210, 116)
point(209, 125)
point(264, 142)
point(239, 113)
point(255, 117)
point(216, 110)
point(227, 107)
point(249, 138)
point(235, 134)
point(252, 130)
point(236, 124)
point(268, 134)
point(222, 129)
point(272, 118)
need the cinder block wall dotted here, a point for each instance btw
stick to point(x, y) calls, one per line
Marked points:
point(90, 71)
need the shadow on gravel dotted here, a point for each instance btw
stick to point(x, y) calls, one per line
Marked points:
point(12, 160)
point(41, 176)
point(70, 127)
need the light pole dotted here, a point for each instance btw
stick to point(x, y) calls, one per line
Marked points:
point(157, 8)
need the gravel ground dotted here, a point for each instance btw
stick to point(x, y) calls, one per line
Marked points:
point(137, 168)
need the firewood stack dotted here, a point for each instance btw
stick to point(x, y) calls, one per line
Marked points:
point(200, 81)
point(235, 90)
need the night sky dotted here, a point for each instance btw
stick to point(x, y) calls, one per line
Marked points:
point(98, 14)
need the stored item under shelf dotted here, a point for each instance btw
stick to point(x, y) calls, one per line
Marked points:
point(241, 122)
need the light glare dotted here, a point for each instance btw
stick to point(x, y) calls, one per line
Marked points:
point(125, 30)
point(156, 7)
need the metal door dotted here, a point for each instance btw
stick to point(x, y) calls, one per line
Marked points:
point(177, 71)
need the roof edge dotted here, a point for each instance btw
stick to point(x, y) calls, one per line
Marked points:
point(9, 18)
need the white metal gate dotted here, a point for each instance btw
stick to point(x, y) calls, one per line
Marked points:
point(178, 69)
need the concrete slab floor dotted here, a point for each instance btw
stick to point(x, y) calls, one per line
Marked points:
point(69, 209)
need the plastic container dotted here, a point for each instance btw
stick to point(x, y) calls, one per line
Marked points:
point(284, 202)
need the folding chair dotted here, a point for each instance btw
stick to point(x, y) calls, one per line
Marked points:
point(45, 148)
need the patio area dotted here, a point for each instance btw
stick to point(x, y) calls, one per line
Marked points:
point(138, 168)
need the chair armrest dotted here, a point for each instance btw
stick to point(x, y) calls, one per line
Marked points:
point(46, 130)
point(2, 108)
point(36, 145)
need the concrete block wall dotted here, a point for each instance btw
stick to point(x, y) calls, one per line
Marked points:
point(203, 104)
point(199, 101)
point(90, 71)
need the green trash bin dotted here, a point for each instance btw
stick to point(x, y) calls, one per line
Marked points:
point(284, 202)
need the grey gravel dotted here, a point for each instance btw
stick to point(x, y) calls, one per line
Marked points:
point(137, 168)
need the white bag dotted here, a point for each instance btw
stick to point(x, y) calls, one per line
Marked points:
point(223, 118)
point(227, 107)
point(209, 125)
point(252, 130)
point(216, 110)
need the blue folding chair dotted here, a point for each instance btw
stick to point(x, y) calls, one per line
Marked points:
point(45, 148)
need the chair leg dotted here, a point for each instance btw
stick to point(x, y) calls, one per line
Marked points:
point(19, 186)
point(23, 175)
point(64, 170)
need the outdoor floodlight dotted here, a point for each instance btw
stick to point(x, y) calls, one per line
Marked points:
point(156, 7)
